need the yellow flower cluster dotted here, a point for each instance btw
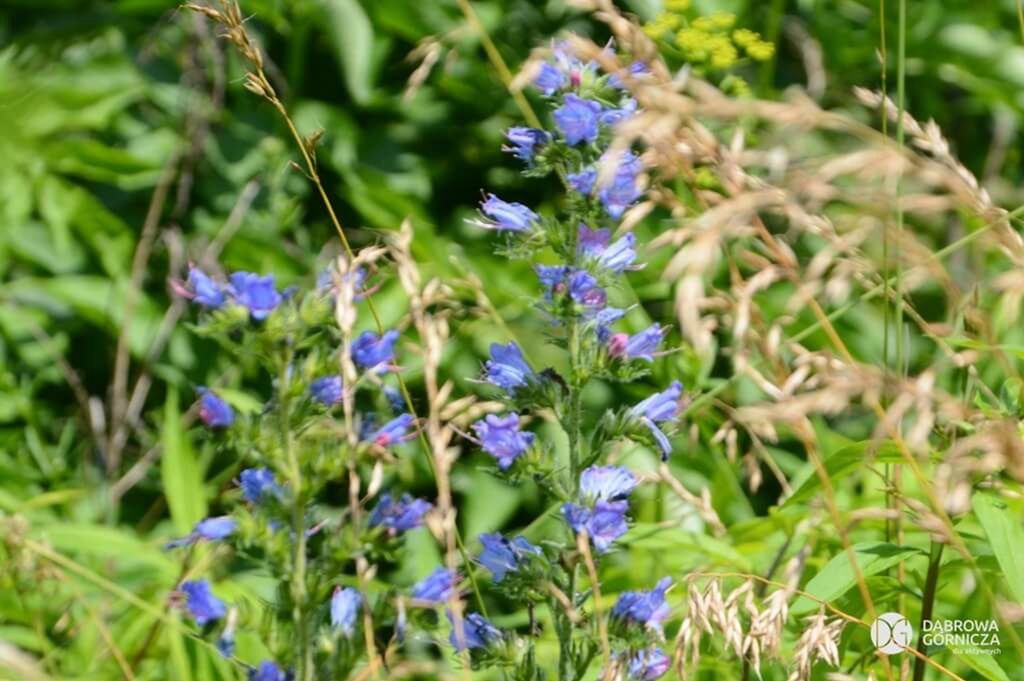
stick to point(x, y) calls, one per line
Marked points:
point(707, 41)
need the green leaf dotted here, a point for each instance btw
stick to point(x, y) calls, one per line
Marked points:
point(838, 576)
point(352, 38)
point(839, 464)
point(1003, 528)
point(182, 479)
point(109, 544)
point(983, 664)
point(652, 537)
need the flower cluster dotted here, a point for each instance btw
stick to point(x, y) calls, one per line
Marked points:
point(330, 385)
point(580, 261)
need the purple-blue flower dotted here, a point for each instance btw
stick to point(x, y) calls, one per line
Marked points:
point(257, 484)
point(507, 368)
point(399, 515)
point(203, 289)
point(393, 431)
point(395, 398)
point(583, 289)
point(370, 351)
point(619, 255)
point(211, 529)
point(213, 411)
point(267, 671)
point(644, 607)
point(577, 119)
point(476, 632)
point(583, 181)
point(591, 242)
point(501, 555)
point(637, 68)
point(201, 603)
point(623, 189)
point(648, 665)
point(603, 321)
point(659, 437)
point(326, 390)
point(552, 278)
point(501, 438)
point(507, 216)
point(661, 406)
point(344, 609)
point(604, 523)
point(615, 115)
point(523, 142)
point(606, 483)
point(640, 345)
point(550, 79)
point(255, 293)
point(437, 587)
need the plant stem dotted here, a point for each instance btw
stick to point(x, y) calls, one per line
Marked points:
point(928, 604)
point(575, 414)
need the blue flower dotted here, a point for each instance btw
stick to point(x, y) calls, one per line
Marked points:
point(583, 181)
point(606, 483)
point(257, 484)
point(211, 529)
point(255, 293)
point(613, 116)
point(393, 431)
point(213, 411)
point(648, 665)
point(550, 79)
point(327, 390)
point(268, 671)
point(661, 406)
point(502, 556)
point(507, 216)
point(523, 142)
point(201, 603)
point(577, 119)
point(603, 321)
point(644, 607)
point(395, 398)
point(552, 278)
point(592, 242)
point(583, 288)
point(226, 641)
point(501, 438)
point(399, 515)
point(437, 587)
point(659, 437)
point(619, 255)
point(640, 345)
point(507, 368)
point(370, 351)
point(637, 68)
point(203, 289)
point(477, 632)
point(604, 523)
point(623, 189)
point(344, 609)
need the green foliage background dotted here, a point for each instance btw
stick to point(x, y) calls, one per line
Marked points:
point(96, 98)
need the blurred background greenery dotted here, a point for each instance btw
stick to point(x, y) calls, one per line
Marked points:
point(106, 104)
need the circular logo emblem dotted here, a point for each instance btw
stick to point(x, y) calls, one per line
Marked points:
point(892, 633)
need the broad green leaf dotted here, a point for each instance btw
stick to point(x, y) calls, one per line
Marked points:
point(182, 479)
point(651, 537)
point(1003, 528)
point(983, 664)
point(838, 576)
point(180, 665)
point(109, 544)
point(352, 38)
point(841, 463)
